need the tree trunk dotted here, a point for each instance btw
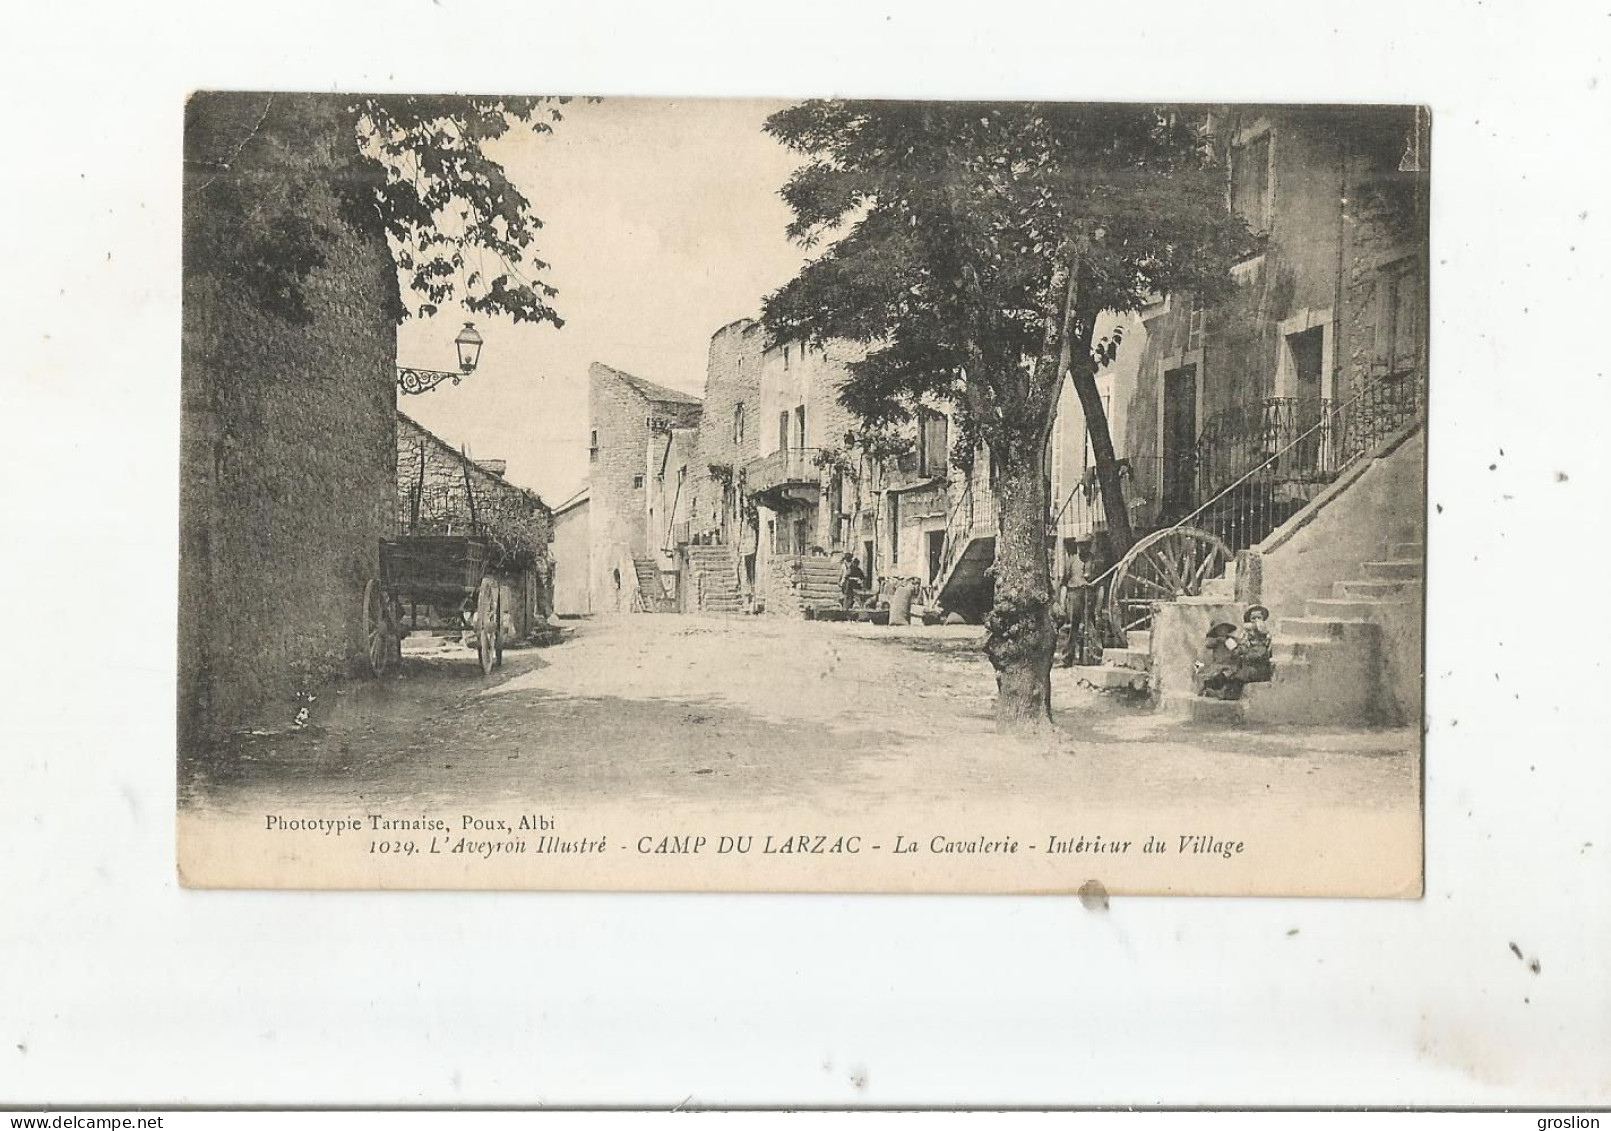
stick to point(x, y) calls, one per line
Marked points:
point(1107, 463)
point(1021, 638)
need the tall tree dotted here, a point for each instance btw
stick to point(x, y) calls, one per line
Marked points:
point(974, 247)
point(416, 168)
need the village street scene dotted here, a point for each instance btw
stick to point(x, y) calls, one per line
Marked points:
point(986, 472)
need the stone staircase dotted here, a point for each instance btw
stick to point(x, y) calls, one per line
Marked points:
point(818, 588)
point(1330, 664)
point(651, 596)
point(712, 582)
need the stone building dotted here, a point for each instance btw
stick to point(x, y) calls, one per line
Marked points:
point(625, 415)
point(1234, 416)
point(441, 490)
point(1284, 419)
point(1288, 418)
point(288, 426)
point(572, 550)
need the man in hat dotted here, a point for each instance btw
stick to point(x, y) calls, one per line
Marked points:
point(1219, 672)
point(1071, 605)
point(1256, 647)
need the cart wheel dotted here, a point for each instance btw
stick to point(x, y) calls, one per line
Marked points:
point(380, 636)
point(497, 632)
point(1164, 566)
point(486, 624)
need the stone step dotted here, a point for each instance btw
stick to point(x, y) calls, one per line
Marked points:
point(1395, 590)
point(1343, 609)
point(1112, 678)
point(1397, 569)
point(1287, 652)
point(1408, 550)
point(1139, 640)
point(1136, 659)
point(1318, 628)
point(1223, 588)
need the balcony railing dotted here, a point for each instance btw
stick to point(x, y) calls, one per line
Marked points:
point(786, 467)
point(1256, 465)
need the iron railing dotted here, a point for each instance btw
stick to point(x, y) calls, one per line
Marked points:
point(1082, 511)
point(972, 515)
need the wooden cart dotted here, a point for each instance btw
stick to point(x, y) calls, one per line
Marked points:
point(442, 570)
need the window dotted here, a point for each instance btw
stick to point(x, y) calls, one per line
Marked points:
point(933, 444)
point(785, 357)
point(738, 423)
point(1251, 174)
point(637, 482)
point(1194, 329)
point(593, 447)
point(799, 426)
point(783, 431)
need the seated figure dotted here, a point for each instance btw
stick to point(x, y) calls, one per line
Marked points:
point(1256, 646)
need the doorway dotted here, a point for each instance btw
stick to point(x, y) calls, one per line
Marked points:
point(936, 553)
point(1308, 409)
point(1179, 440)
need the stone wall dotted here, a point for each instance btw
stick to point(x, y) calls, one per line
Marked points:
point(618, 415)
point(441, 491)
point(573, 589)
point(732, 384)
point(288, 419)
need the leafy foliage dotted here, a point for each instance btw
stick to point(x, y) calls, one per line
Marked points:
point(447, 205)
point(953, 230)
point(414, 169)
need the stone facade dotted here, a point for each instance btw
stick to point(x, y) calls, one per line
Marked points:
point(440, 490)
point(287, 418)
point(623, 413)
point(573, 589)
point(729, 434)
point(1333, 300)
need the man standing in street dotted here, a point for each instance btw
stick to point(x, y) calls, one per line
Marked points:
point(1072, 595)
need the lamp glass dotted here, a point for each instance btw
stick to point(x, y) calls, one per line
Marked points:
point(469, 346)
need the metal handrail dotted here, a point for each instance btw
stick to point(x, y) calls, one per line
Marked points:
point(1325, 421)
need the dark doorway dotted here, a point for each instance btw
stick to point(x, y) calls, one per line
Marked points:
point(936, 552)
point(1179, 440)
point(1308, 410)
point(867, 559)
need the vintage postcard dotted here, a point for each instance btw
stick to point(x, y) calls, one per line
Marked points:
point(854, 496)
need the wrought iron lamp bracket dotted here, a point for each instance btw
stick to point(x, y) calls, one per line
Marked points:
point(412, 380)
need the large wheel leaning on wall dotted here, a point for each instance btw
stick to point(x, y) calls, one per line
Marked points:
point(381, 638)
point(487, 642)
point(1164, 566)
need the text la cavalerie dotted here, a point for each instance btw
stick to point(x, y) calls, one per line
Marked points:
point(806, 844)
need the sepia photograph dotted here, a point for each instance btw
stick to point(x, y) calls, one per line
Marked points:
point(600, 493)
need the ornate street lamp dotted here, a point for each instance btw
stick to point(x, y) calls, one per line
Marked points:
point(468, 343)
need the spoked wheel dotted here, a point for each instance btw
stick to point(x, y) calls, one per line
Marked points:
point(497, 631)
point(381, 639)
point(487, 643)
point(1164, 566)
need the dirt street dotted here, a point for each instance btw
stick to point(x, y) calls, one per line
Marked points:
point(683, 708)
